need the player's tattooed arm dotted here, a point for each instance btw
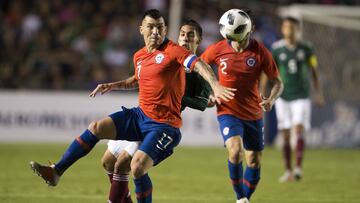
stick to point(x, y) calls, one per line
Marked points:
point(276, 90)
point(127, 84)
point(220, 92)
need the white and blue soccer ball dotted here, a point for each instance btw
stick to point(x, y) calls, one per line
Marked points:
point(235, 25)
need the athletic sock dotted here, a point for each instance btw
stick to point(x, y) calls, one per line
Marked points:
point(143, 189)
point(110, 175)
point(287, 156)
point(299, 151)
point(119, 188)
point(250, 181)
point(236, 176)
point(128, 199)
point(81, 146)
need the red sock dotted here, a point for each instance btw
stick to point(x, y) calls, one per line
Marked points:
point(110, 175)
point(119, 188)
point(128, 199)
point(287, 155)
point(300, 146)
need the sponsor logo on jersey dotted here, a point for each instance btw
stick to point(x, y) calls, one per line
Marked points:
point(251, 62)
point(159, 58)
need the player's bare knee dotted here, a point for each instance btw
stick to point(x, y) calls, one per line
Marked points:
point(236, 154)
point(122, 164)
point(299, 129)
point(286, 136)
point(286, 140)
point(94, 128)
point(253, 159)
point(253, 163)
point(106, 164)
point(137, 169)
point(108, 161)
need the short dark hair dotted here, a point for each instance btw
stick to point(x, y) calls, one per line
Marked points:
point(250, 14)
point(292, 20)
point(153, 13)
point(195, 24)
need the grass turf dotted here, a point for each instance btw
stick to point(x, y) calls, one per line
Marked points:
point(191, 175)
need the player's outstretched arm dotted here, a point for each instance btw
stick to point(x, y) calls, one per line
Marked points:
point(276, 90)
point(220, 92)
point(127, 84)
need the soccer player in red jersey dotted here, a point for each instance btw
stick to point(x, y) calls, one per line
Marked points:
point(240, 64)
point(160, 77)
point(116, 159)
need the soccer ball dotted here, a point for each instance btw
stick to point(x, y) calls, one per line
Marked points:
point(235, 25)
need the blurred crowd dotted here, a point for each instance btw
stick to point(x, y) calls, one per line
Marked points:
point(63, 44)
point(76, 44)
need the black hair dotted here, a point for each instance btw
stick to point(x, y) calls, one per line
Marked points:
point(250, 14)
point(292, 20)
point(195, 24)
point(153, 13)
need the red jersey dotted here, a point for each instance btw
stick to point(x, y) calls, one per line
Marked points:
point(241, 70)
point(161, 79)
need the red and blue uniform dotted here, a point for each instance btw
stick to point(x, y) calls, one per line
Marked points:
point(156, 122)
point(241, 70)
point(242, 115)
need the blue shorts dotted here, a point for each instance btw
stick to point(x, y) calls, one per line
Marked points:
point(157, 139)
point(251, 132)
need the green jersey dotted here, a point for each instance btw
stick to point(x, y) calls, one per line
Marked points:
point(294, 66)
point(197, 91)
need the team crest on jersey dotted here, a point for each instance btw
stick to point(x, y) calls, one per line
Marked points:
point(251, 61)
point(159, 58)
point(300, 55)
point(226, 131)
point(282, 56)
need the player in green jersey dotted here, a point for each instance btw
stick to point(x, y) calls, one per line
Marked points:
point(296, 62)
point(116, 159)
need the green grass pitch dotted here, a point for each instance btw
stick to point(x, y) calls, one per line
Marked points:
point(191, 175)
